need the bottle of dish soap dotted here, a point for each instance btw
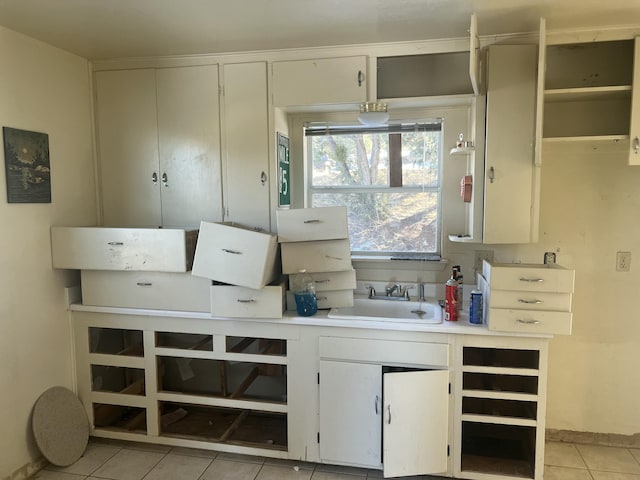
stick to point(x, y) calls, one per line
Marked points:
point(451, 299)
point(305, 295)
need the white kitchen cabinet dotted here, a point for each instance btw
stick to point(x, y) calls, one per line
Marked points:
point(158, 146)
point(304, 224)
point(511, 180)
point(316, 256)
point(245, 144)
point(320, 81)
point(241, 302)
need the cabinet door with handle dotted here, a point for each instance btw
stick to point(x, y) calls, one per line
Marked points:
point(634, 133)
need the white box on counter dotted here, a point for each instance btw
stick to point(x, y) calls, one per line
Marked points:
point(135, 249)
point(236, 255)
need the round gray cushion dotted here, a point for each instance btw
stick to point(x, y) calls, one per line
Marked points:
point(60, 426)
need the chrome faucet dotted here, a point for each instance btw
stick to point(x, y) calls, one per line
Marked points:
point(421, 292)
point(394, 288)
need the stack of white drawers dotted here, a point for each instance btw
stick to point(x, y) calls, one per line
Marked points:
point(315, 242)
point(528, 298)
point(133, 267)
point(243, 265)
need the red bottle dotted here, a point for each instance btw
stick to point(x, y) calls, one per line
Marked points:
point(451, 300)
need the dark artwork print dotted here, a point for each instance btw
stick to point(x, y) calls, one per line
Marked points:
point(26, 160)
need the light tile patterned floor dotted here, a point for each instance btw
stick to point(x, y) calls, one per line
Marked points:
point(112, 460)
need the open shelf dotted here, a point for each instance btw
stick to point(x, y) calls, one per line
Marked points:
point(120, 418)
point(116, 341)
point(128, 381)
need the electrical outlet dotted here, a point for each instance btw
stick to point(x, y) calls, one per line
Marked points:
point(623, 261)
point(481, 255)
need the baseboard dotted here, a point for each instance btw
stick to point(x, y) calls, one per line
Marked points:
point(28, 470)
point(606, 439)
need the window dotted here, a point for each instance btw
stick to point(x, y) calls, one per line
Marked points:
point(388, 178)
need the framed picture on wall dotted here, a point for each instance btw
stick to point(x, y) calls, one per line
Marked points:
point(26, 163)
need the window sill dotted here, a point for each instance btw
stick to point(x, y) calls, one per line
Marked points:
point(363, 261)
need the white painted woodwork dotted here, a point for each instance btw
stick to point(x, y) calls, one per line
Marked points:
point(325, 299)
point(189, 145)
point(530, 321)
point(527, 277)
point(242, 302)
point(158, 145)
point(154, 290)
point(325, 281)
point(475, 65)
point(634, 129)
point(237, 256)
point(137, 249)
point(510, 130)
point(320, 81)
point(127, 137)
point(531, 301)
point(316, 256)
point(540, 86)
point(350, 413)
point(304, 224)
point(415, 422)
point(246, 156)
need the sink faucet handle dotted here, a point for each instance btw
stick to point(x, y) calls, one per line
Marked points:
point(405, 291)
point(372, 291)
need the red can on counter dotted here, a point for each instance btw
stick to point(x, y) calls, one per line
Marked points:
point(451, 300)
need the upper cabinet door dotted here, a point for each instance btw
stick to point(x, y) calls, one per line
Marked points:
point(127, 135)
point(321, 81)
point(634, 131)
point(542, 71)
point(189, 144)
point(475, 72)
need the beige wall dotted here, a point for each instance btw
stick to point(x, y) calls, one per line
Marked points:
point(46, 90)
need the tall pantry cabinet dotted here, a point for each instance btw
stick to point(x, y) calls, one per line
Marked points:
point(158, 135)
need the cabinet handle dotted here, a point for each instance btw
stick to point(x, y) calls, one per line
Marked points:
point(531, 280)
point(636, 145)
point(154, 178)
point(321, 298)
point(115, 244)
point(240, 300)
point(492, 174)
point(326, 280)
point(528, 322)
point(144, 284)
point(263, 178)
point(389, 414)
point(535, 301)
point(333, 258)
point(234, 252)
point(377, 402)
point(360, 78)
point(313, 221)
point(165, 179)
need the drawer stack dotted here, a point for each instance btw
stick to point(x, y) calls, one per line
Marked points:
point(243, 265)
point(528, 298)
point(133, 267)
point(315, 241)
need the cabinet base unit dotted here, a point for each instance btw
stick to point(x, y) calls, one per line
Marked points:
point(498, 449)
point(224, 425)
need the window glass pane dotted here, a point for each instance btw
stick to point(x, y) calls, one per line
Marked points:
point(388, 222)
point(350, 160)
point(420, 154)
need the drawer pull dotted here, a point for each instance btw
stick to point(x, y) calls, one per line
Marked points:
point(389, 412)
point(530, 302)
point(333, 258)
point(321, 298)
point(528, 322)
point(115, 244)
point(240, 300)
point(313, 221)
point(376, 404)
point(326, 280)
point(144, 284)
point(532, 280)
point(235, 252)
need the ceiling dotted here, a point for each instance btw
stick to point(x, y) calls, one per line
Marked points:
point(101, 29)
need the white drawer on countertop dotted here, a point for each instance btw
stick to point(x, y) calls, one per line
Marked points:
point(241, 302)
point(527, 300)
point(306, 224)
point(318, 256)
point(235, 255)
point(152, 290)
point(136, 249)
point(529, 321)
point(529, 277)
point(324, 281)
point(326, 299)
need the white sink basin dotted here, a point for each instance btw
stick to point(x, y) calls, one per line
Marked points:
point(390, 311)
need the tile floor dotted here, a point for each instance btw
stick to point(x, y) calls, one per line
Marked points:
point(113, 460)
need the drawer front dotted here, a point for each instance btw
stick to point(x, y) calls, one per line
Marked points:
point(321, 256)
point(534, 278)
point(136, 249)
point(529, 321)
point(326, 300)
point(528, 300)
point(417, 353)
point(235, 255)
point(325, 281)
point(153, 290)
point(305, 224)
point(241, 302)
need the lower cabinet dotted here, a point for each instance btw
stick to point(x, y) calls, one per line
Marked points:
point(372, 415)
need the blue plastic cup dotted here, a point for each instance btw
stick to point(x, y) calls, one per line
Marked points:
point(306, 303)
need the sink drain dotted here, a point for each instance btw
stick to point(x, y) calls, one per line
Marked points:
point(420, 313)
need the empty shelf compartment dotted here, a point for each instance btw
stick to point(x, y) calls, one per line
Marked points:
point(116, 341)
point(185, 341)
point(501, 357)
point(257, 346)
point(500, 383)
point(129, 381)
point(121, 418)
point(500, 408)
